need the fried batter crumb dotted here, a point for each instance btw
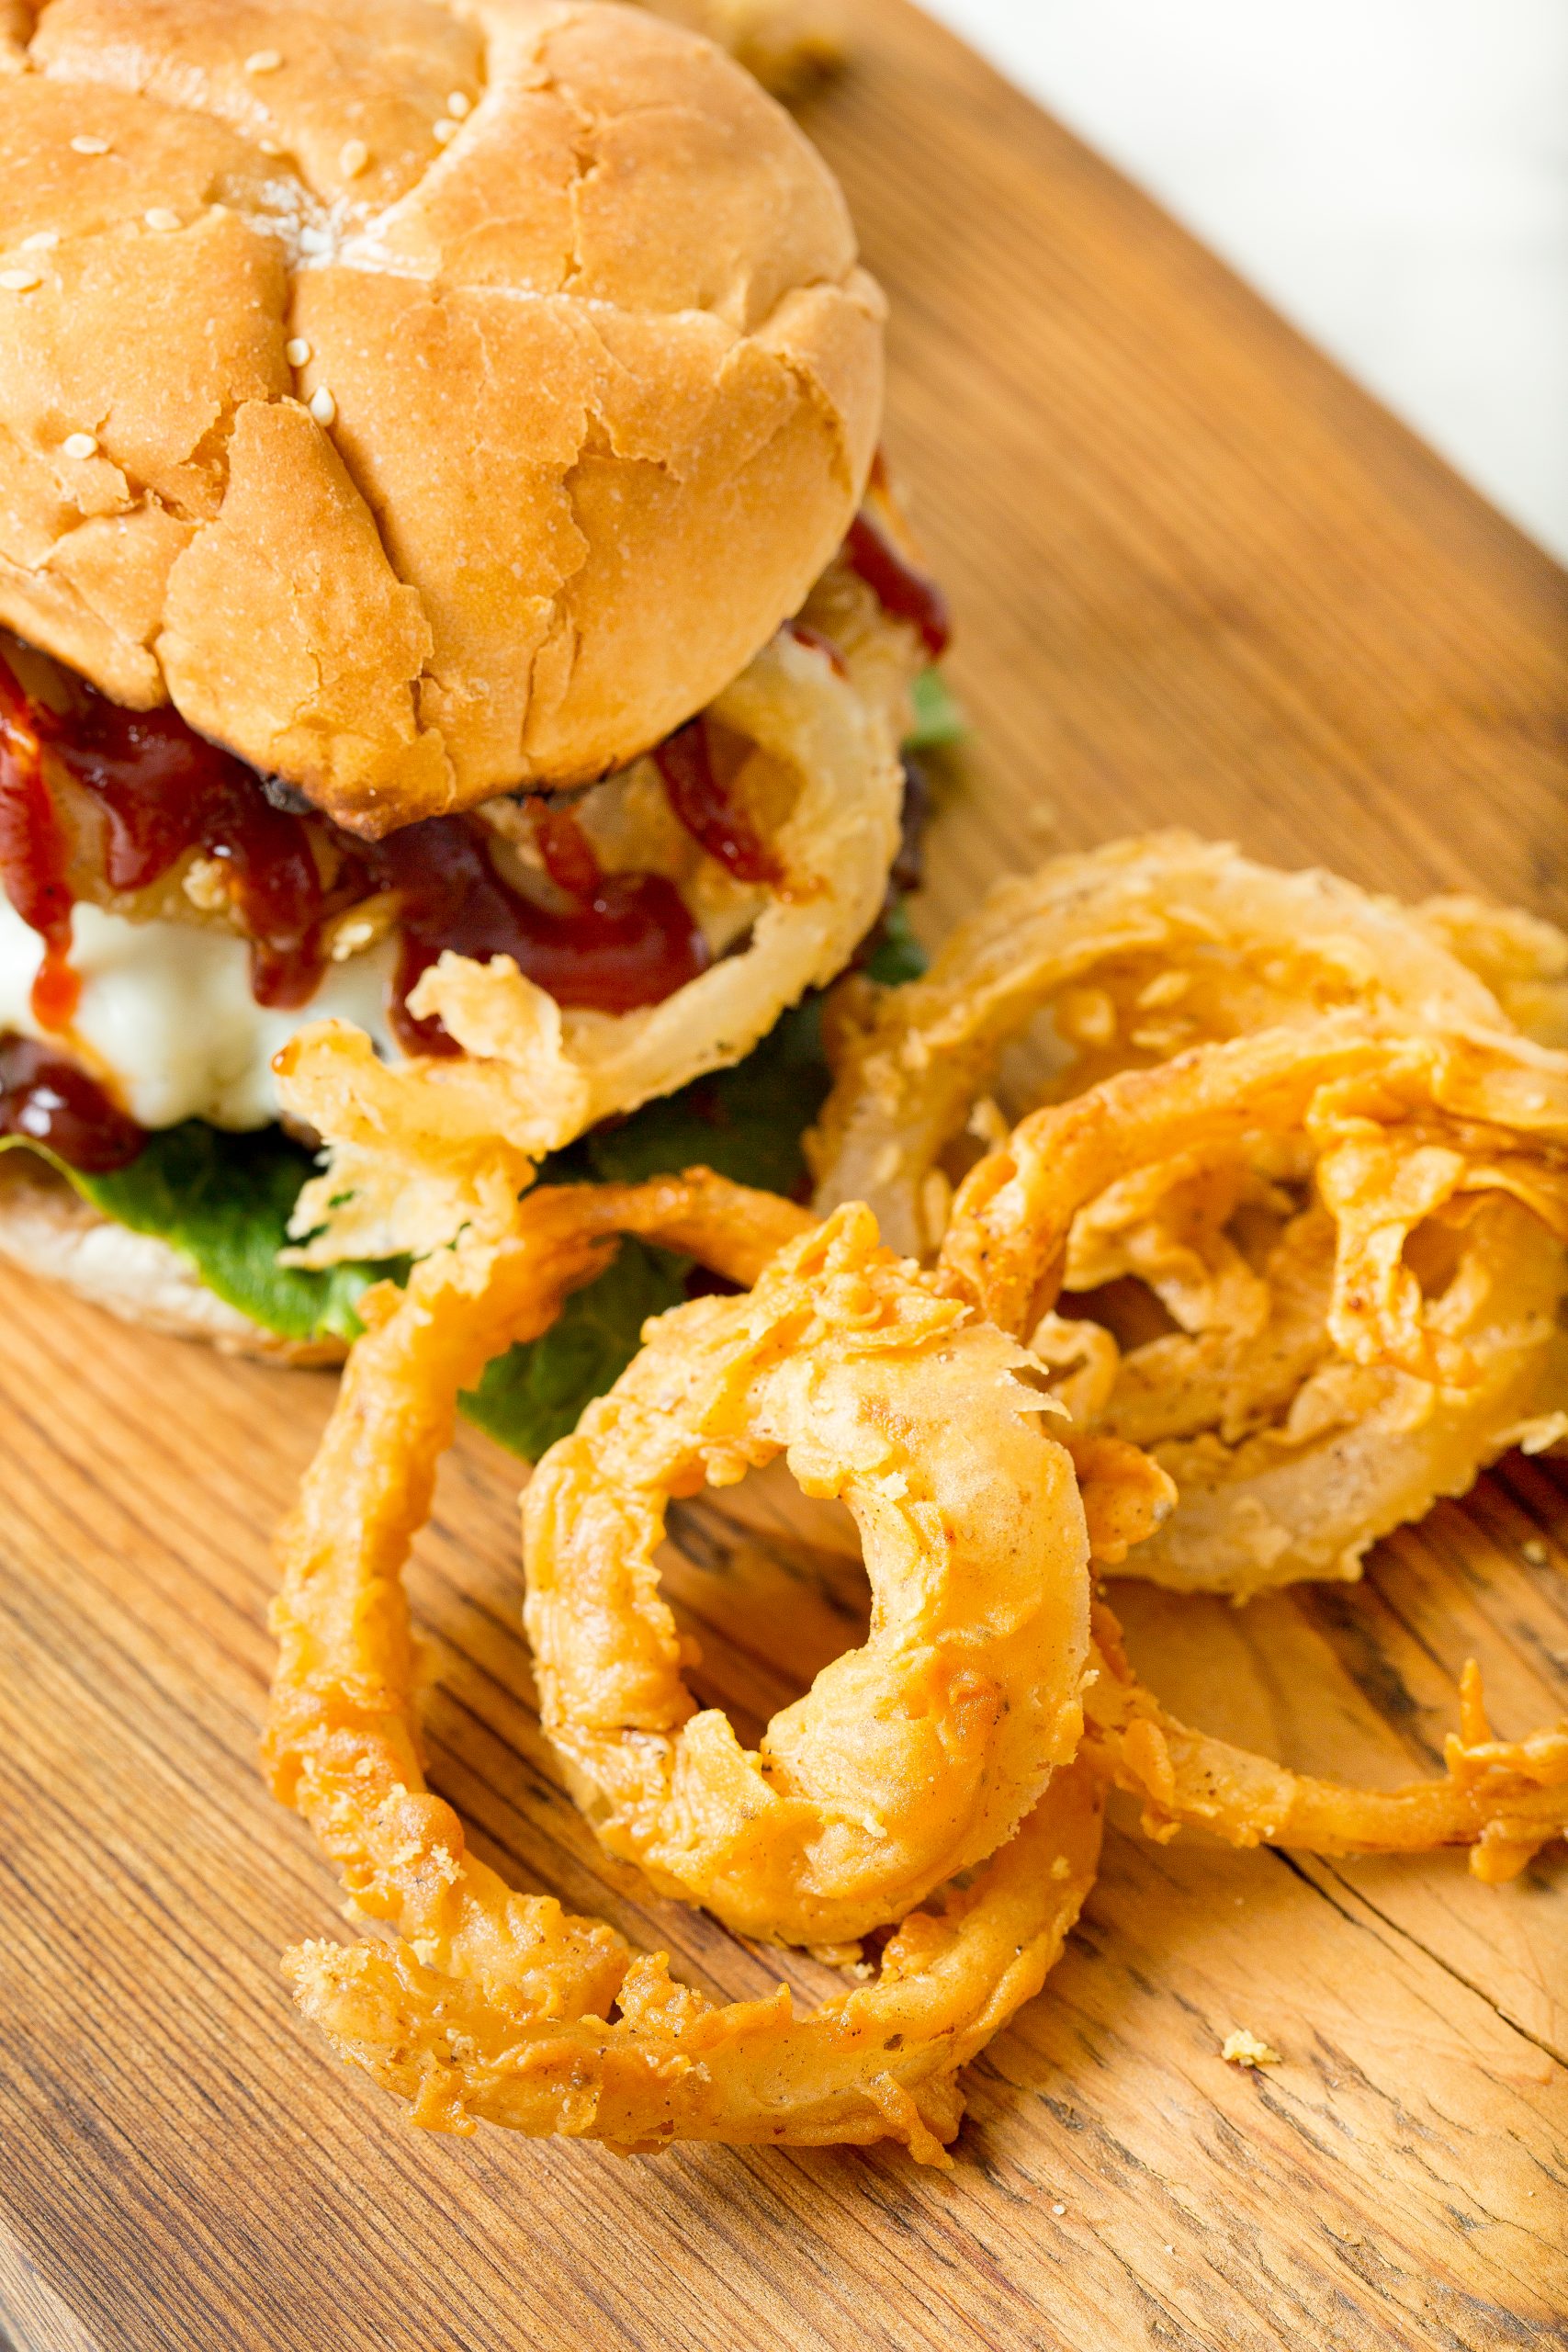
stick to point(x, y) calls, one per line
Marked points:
point(1245, 2049)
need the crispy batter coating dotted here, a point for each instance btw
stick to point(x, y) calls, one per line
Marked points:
point(1136, 951)
point(880, 2063)
point(1395, 1325)
point(496, 2005)
point(1504, 1799)
point(408, 1142)
point(1522, 959)
point(909, 1759)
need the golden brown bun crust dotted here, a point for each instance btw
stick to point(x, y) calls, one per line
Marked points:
point(48, 1230)
point(600, 377)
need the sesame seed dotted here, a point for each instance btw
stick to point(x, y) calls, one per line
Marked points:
point(81, 445)
point(459, 105)
point(20, 281)
point(443, 130)
point(159, 217)
point(263, 60)
point(42, 240)
point(296, 351)
point(323, 408)
point(270, 146)
point(354, 158)
point(86, 143)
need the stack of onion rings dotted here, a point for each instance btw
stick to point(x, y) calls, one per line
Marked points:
point(1354, 1218)
point(496, 2004)
point(1305, 1411)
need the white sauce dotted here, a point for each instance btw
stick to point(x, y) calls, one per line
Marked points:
point(168, 1006)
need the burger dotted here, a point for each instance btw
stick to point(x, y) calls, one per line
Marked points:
point(455, 638)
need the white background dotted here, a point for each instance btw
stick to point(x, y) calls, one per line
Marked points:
point(1392, 174)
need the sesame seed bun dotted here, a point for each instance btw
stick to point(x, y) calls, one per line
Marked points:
point(427, 400)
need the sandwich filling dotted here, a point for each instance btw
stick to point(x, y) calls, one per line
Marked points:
point(170, 919)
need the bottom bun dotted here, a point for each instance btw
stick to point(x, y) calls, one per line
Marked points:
point(48, 1230)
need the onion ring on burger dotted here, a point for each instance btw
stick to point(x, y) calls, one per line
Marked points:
point(909, 1759)
point(1395, 1325)
point(404, 1140)
point(1136, 951)
point(495, 2004)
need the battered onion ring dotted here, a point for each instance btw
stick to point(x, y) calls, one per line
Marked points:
point(1504, 1799)
point(532, 2050)
point(1382, 1397)
point(496, 2005)
point(909, 1759)
point(1522, 959)
point(1138, 950)
point(406, 1139)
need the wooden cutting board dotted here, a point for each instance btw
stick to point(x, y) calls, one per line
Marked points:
point(1199, 578)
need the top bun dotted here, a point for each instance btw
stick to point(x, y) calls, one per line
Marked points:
point(426, 400)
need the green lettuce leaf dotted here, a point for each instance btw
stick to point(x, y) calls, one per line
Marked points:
point(535, 1394)
point(938, 717)
point(223, 1200)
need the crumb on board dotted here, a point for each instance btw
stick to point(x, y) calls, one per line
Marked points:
point(1533, 1550)
point(1244, 2049)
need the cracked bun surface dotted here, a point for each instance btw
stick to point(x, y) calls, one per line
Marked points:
point(427, 401)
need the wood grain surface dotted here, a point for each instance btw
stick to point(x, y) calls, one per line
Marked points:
point(1199, 578)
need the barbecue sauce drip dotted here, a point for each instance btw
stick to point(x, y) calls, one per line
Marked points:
point(55, 1103)
point(908, 594)
point(163, 791)
point(626, 940)
point(34, 855)
point(684, 762)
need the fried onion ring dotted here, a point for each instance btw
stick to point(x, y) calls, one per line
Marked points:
point(530, 2047)
point(1305, 1408)
point(1136, 951)
point(909, 1759)
point(405, 1139)
point(496, 2004)
point(1504, 1799)
point(1522, 959)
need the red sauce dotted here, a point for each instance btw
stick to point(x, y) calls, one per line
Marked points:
point(908, 593)
point(55, 1103)
point(162, 790)
point(34, 855)
point(686, 763)
point(568, 852)
point(627, 941)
